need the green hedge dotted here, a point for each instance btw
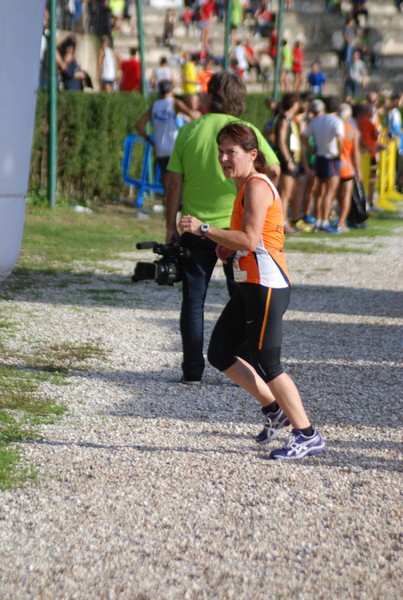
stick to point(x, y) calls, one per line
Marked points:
point(91, 132)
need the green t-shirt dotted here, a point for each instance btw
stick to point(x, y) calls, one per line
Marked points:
point(286, 54)
point(207, 194)
point(236, 13)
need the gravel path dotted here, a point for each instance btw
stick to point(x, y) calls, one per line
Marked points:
point(148, 489)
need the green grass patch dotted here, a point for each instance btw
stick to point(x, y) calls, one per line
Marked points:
point(54, 241)
point(23, 406)
point(64, 357)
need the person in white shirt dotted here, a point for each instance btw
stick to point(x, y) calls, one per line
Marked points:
point(163, 115)
point(107, 65)
point(327, 129)
point(162, 73)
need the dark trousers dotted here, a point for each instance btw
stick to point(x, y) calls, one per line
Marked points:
point(197, 271)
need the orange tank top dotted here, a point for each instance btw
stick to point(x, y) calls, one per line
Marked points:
point(346, 165)
point(266, 265)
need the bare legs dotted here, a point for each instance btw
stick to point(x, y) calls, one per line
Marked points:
point(344, 197)
point(281, 389)
point(326, 195)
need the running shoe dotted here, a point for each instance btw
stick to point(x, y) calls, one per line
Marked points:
point(299, 445)
point(309, 219)
point(304, 227)
point(329, 229)
point(273, 424)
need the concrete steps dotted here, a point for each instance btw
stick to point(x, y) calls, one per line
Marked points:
point(322, 35)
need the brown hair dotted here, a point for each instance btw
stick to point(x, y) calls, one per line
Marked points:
point(227, 91)
point(246, 138)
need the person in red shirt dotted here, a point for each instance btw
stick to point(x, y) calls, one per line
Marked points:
point(273, 45)
point(130, 73)
point(297, 65)
point(206, 12)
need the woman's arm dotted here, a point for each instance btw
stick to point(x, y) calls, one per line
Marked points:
point(258, 198)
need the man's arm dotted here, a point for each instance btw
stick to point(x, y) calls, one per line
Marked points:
point(173, 191)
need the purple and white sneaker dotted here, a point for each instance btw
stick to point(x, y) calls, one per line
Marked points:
point(300, 445)
point(273, 424)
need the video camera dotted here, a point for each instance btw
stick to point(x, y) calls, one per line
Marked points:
point(165, 271)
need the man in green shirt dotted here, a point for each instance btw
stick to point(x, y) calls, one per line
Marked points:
point(196, 179)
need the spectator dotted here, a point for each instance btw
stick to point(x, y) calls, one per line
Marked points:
point(268, 130)
point(349, 36)
point(286, 65)
point(253, 315)
point(130, 73)
point(399, 4)
point(101, 19)
point(237, 16)
point(72, 76)
point(272, 50)
point(205, 75)
point(44, 52)
point(263, 17)
point(162, 73)
point(395, 132)
point(350, 165)
point(288, 149)
point(297, 65)
point(241, 56)
point(163, 115)
point(356, 76)
point(192, 101)
point(117, 8)
point(327, 131)
point(107, 65)
point(359, 8)
point(196, 179)
point(253, 59)
point(206, 11)
point(316, 80)
point(169, 28)
point(189, 75)
point(366, 47)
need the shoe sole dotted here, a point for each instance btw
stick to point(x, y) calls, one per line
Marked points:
point(275, 435)
point(309, 452)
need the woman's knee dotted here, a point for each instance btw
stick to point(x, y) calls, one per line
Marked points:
point(269, 362)
point(219, 356)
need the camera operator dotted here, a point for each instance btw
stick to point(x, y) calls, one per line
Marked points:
point(195, 178)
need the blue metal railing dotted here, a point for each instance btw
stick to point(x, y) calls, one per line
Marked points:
point(150, 179)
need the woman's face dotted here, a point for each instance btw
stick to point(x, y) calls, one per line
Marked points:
point(234, 160)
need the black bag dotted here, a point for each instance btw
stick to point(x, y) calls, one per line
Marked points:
point(359, 211)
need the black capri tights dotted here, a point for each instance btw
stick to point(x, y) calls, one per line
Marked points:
point(253, 315)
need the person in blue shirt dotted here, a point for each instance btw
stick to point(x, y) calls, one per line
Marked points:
point(316, 80)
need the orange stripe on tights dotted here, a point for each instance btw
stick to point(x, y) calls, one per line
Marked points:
point(266, 314)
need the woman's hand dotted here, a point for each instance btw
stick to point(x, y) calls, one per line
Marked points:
point(190, 224)
point(223, 253)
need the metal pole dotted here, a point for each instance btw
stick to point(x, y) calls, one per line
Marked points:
point(140, 34)
point(52, 91)
point(227, 34)
point(279, 48)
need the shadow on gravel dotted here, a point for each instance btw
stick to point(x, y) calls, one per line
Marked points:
point(98, 290)
point(347, 456)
